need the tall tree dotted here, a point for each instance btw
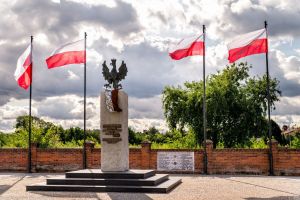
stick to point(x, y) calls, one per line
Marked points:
point(236, 105)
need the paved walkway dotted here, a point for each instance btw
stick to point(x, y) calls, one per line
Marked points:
point(197, 187)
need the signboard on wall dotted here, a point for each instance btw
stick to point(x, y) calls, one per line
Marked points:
point(175, 161)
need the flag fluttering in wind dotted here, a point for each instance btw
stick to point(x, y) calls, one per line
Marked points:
point(190, 47)
point(23, 76)
point(23, 73)
point(248, 44)
point(187, 47)
point(71, 53)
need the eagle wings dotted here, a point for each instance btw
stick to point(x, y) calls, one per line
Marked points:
point(113, 77)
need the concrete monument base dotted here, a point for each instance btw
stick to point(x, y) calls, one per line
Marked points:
point(95, 180)
point(114, 135)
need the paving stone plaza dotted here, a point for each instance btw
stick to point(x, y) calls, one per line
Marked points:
point(193, 187)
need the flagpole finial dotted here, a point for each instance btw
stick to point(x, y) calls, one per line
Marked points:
point(266, 24)
point(203, 26)
point(85, 34)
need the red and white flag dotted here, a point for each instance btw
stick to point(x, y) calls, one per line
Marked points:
point(71, 53)
point(187, 47)
point(248, 44)
point(23, 73)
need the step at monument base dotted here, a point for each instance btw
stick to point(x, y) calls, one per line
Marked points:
point(94, 180)
point(98, 173)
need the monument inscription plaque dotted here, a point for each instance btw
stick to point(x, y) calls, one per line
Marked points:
point(112, 130)
point(175, 161)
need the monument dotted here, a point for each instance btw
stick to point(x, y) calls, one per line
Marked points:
point(114, 120)
point(114, 175)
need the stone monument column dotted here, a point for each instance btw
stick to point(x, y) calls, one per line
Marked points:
point(114, 135)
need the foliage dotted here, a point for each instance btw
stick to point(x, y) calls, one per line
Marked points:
point(46, 134)
point(171, 139)
point(295, 141)
point(179, 141)
point(257, 143)
point(236, 106)
point(135, 138)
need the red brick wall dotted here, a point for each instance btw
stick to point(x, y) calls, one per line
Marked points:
point(229, 161)
point(135, 158)
point(220, 161)
point(198, 156)
point(14, 159)
point(287, 162)
point(93, 158)
point(57, 159)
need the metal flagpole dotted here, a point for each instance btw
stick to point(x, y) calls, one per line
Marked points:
point(30, 94)
point(84, 102)
point(271, 169)
point(204, 105)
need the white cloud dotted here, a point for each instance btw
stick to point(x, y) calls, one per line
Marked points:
point(65, 107)
point(73, 76)
point(42, 39)
point(290, 65)
point(145, 107)
point(109, 3)
point(240, 6)
point(288, 106)
point(290, 120)
point(144, 124)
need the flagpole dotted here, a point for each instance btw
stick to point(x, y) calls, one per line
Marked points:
point(30, 96)
point(271, 169)
point(204, 105)
point(84, 102)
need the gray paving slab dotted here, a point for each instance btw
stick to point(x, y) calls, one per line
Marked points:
point(193, 187)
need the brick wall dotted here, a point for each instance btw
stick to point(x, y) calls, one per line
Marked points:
point(13, 159)
point(220, 161)
point(286, 161)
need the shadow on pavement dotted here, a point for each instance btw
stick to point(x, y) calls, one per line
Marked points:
point(66, 195)
point(275, 198)
point(3, 188)
point(265, 187)
point(128, 196)
point(79, 195)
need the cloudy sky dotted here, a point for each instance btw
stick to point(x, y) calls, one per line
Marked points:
point(140, 33)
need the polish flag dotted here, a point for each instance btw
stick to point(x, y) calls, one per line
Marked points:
point(248, 44)
point(71, 53)
point(23, 73)
point(187, 47)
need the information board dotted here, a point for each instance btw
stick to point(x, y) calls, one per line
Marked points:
point(175, 161)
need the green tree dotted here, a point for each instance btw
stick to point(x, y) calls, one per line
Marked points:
point(236, 106)
point(150, 133)
point(276, 133)
point(135, 138)
point(46, 134)
point(295, 142)
point(3, 139)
